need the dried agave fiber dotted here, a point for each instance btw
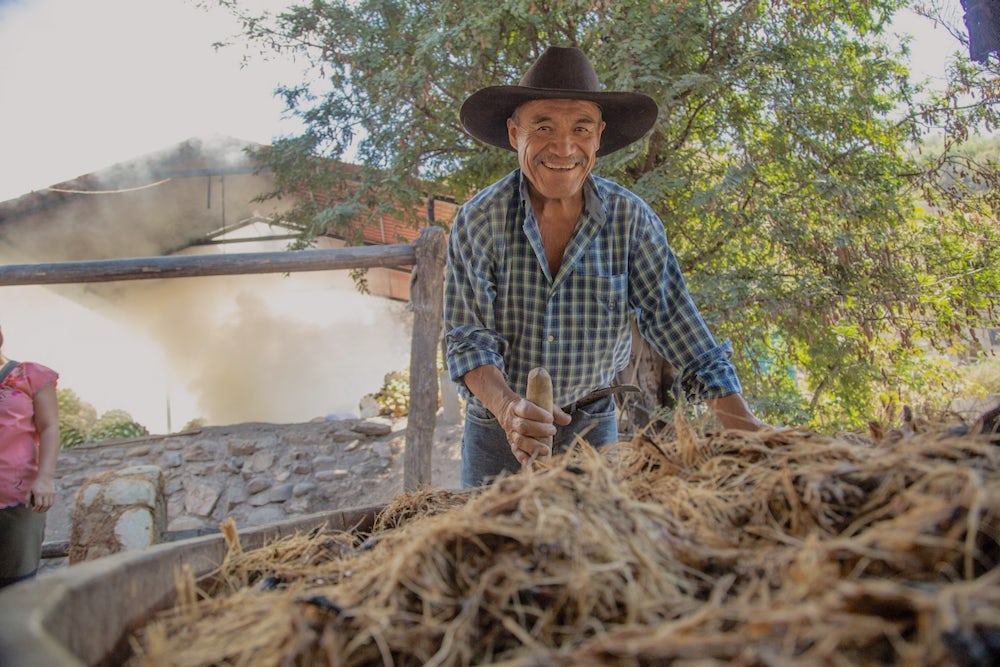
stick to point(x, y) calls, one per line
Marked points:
point(770, 548)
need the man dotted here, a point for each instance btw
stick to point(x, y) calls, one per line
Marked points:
point(546, 266)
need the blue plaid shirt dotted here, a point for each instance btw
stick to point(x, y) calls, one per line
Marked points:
point(502, 306)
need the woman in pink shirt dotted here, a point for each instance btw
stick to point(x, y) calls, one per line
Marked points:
point(29, 445)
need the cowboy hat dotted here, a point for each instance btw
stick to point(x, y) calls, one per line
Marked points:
point(565, 73)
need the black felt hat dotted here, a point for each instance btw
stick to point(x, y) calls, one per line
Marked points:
point(564, 73)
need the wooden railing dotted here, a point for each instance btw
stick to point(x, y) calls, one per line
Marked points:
point(426, 255)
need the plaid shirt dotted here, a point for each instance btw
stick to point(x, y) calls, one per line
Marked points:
point(502, 306)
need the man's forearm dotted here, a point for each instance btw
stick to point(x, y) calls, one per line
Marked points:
point(733, 412)
point(488, 385)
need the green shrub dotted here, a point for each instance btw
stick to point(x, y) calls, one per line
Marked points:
point(70, 437)
point(79, 423)
point(76, 418)
point(119, 431)
point(194, 424)
point(394, 396)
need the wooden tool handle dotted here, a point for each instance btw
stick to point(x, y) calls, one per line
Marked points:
point(540, 392)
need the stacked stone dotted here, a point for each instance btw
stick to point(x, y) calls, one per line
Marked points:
point(254, 473)
point(118, 510)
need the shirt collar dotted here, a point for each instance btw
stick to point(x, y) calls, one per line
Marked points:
point(593, 202)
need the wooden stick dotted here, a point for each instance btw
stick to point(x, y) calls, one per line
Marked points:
point(540, 393)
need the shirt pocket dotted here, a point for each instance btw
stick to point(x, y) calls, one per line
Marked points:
point(604, 301)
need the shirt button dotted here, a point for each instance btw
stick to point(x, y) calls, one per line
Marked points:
point(551, 338)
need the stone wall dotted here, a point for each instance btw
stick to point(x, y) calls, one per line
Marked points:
point(255, 473)
point(118, 510)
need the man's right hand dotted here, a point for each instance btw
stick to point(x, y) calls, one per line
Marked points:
point(526, 424)
point(523, 421)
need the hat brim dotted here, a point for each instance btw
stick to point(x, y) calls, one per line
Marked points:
point(628, 116)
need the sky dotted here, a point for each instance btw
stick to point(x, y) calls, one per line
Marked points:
point(90, 83)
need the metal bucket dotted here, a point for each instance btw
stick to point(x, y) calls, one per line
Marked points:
point(82, 615)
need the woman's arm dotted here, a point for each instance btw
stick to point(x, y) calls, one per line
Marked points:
point(43, 491)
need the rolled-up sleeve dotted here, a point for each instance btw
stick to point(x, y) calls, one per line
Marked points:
point(669, 319)
point(709, 375)
point(470, 291)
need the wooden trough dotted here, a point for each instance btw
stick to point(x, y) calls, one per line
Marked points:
point(82, 615)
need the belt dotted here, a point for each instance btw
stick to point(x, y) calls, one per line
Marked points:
point(597, 395)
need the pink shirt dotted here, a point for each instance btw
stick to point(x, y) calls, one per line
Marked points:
point(18, 437)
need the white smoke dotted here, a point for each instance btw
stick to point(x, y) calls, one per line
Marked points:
point(269, 347)
point(221, 349)
point(225, 349)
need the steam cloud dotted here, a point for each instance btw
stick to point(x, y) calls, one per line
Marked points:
point(272, 348)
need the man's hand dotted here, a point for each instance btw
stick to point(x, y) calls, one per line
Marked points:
point(526, 424)
point(734, 413)
point(522, 421)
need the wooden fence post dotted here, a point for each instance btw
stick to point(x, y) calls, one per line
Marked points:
point(427, 301)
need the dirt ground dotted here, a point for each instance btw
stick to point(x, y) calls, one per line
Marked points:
point(446, 459)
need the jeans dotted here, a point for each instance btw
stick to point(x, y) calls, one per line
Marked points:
point(486, 453)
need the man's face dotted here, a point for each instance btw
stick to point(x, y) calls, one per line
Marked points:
point(556, 142)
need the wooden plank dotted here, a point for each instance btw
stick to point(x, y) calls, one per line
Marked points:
point(81, 615)
point(188, 266)
point(427, 302)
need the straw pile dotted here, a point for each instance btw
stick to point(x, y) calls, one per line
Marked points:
point(730, 548)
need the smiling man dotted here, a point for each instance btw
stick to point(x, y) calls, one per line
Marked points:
point(547, 265)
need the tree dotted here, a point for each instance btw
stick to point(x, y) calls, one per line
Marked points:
point(79, 423)
point(782, 165)
point(76, 417)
